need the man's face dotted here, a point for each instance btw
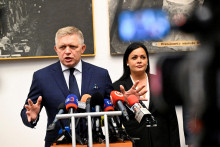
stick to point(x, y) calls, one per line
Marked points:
point(69, 50)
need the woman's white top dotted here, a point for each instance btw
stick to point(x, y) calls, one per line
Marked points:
point(147, 95)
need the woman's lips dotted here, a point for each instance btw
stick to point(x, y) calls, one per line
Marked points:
point(139, 66)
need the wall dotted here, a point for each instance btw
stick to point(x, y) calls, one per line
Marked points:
point(16, 76)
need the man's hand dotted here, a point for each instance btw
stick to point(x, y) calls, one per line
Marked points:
point(134, 91)
point(33, 109)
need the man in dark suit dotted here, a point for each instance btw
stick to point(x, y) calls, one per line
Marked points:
point(50, 85)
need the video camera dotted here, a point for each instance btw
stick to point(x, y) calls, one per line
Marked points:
point(191, 79)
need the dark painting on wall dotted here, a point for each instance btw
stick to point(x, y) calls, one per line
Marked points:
point(28, 27)
point(173, 42)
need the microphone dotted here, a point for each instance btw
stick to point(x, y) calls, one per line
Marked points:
point(64, 136)
point(86, 99)
point(108, 105)
point(113, 130)
point(71, 103)
point(117, 100)
point(115, 127)
point(97, 102)
point(141, 113)
point(62, 109)
point(81, 105)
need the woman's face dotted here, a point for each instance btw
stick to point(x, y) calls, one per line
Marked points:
point(137, 60)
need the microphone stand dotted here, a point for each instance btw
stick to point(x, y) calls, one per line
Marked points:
point(75, 136)
point(67, 136)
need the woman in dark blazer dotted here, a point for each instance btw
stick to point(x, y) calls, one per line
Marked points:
point(136, 68)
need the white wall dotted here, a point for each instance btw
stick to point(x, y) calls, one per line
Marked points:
point(16, 76)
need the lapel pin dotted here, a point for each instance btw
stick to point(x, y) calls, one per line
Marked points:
point(95, 86)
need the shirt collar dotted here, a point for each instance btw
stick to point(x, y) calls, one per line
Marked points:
point(78, 67)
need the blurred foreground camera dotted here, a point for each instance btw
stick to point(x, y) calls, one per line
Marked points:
point(148, 24)
point(192, 79)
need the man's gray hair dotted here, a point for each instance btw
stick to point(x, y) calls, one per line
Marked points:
point(69, 30)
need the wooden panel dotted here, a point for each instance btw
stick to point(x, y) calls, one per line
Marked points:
point(117, 144)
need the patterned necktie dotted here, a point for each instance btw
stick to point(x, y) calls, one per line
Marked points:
point(73, 87)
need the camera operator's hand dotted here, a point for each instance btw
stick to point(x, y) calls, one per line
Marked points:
point(134, 91)
point(33, 109)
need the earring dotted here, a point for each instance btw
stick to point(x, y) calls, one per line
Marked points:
point(127, 64)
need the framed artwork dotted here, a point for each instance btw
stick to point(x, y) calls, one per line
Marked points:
point(28, 27)
point(175, 41)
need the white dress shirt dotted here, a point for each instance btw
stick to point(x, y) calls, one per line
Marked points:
point(147, 95)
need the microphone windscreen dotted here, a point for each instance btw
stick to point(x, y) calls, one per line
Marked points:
point(97, 99)
point(108, 105)
point(71, 102)
point(85, 97)
point(116, 96)
point(62, 106)
point(132, 99)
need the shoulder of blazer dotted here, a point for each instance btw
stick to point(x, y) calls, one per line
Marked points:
point(49, 69)
point(88, 66)
point(54, 66)
point(127, 83)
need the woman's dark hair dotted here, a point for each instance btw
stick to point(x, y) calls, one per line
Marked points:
point(130, 48)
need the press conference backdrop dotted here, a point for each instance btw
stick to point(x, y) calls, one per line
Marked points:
point(16, 76)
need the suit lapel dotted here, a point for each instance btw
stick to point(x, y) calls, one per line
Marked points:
point(58, 76)
point(86, 77)
point(128, 83)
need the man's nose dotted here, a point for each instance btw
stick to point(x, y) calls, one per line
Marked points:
point(67, 50)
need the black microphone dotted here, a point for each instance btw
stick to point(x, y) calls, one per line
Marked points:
point(97, 102)
point(62, 110)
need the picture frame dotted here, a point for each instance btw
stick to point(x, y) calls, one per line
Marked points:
point(28, 27)
point(175, 41)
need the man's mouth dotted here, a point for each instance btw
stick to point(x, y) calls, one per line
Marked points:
point(68, 58)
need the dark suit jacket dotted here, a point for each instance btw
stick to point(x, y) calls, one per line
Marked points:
point(166, 134)
point(49, 83)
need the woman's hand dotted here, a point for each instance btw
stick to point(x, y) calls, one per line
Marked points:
point(134, 91)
